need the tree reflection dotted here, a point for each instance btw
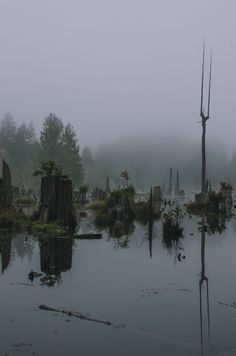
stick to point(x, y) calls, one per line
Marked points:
point(172, 234)
point(24, 245)
point(204, 281)
point(55, 257)
point(216, 223)
point(121, 233)
point(5, 250)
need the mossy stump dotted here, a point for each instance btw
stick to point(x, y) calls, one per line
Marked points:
point(56, 202)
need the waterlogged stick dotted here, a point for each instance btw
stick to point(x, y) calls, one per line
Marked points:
point(79, 315)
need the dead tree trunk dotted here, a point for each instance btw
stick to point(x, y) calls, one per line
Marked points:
point(56, 203)
point(204, 118)
point(169, 192)
point(204, 187)
point(65, 211)
point(5, 187)
point(177, 188)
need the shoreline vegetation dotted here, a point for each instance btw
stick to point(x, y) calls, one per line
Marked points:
point(55, 181)
point(114, 210)
point(16, 221)
point(117, 211)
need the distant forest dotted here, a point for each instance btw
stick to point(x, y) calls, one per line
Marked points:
point(25, 152)
point(147, 159)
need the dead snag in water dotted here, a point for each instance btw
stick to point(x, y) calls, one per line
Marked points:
point(204, 118)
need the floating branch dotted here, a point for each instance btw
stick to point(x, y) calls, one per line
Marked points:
point(80, 316)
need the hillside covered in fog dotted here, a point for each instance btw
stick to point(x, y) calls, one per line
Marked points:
point(148, 159)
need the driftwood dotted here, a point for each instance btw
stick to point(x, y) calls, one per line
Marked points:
point(78, 315)
point(88, 236)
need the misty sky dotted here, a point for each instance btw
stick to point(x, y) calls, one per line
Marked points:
point(118, 67)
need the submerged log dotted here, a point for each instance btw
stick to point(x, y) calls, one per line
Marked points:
point(5, 187)
point(78, 315)
point(56, 203)
point(88, 236)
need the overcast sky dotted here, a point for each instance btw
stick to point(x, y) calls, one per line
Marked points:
point(113, 67)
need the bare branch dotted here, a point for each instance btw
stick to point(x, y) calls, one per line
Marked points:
point(209, 93)
point(202, 86)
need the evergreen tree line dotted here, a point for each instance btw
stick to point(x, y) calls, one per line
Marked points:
point(25, 152)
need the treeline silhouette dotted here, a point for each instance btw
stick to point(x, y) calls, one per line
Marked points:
point(24, 151)
point(148, 159)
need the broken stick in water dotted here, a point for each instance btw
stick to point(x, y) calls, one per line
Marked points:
point(79, 315)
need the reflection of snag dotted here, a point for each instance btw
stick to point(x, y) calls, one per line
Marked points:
point(204, 280)
point(79, 315)
point(233, 305)
point(5, 251)
point(172, 232)
point(121, 229)
point(49, 280)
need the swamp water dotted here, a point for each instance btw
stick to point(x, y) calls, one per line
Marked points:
point(154, 302)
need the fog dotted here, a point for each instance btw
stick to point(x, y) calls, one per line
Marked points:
point(118, 68)
point(149, 162)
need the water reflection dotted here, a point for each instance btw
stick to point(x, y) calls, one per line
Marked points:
point(204, 281)
point(172, 235)
point(121, 233)
point(55, 257)
point(150, 233)
point(23, 245)
point(168, 293)
point(5, 250)
point(216, 223)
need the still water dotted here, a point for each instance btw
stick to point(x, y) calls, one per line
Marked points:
point(150, 288)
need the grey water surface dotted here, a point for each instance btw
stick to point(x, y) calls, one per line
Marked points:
point(149, 291)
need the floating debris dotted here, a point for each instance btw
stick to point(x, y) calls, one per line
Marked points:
point(80, 316)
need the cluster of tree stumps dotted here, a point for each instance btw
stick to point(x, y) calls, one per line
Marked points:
point(56, 213)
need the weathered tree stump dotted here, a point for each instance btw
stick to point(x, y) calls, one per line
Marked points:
point(56, 203)
point(5, 187)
